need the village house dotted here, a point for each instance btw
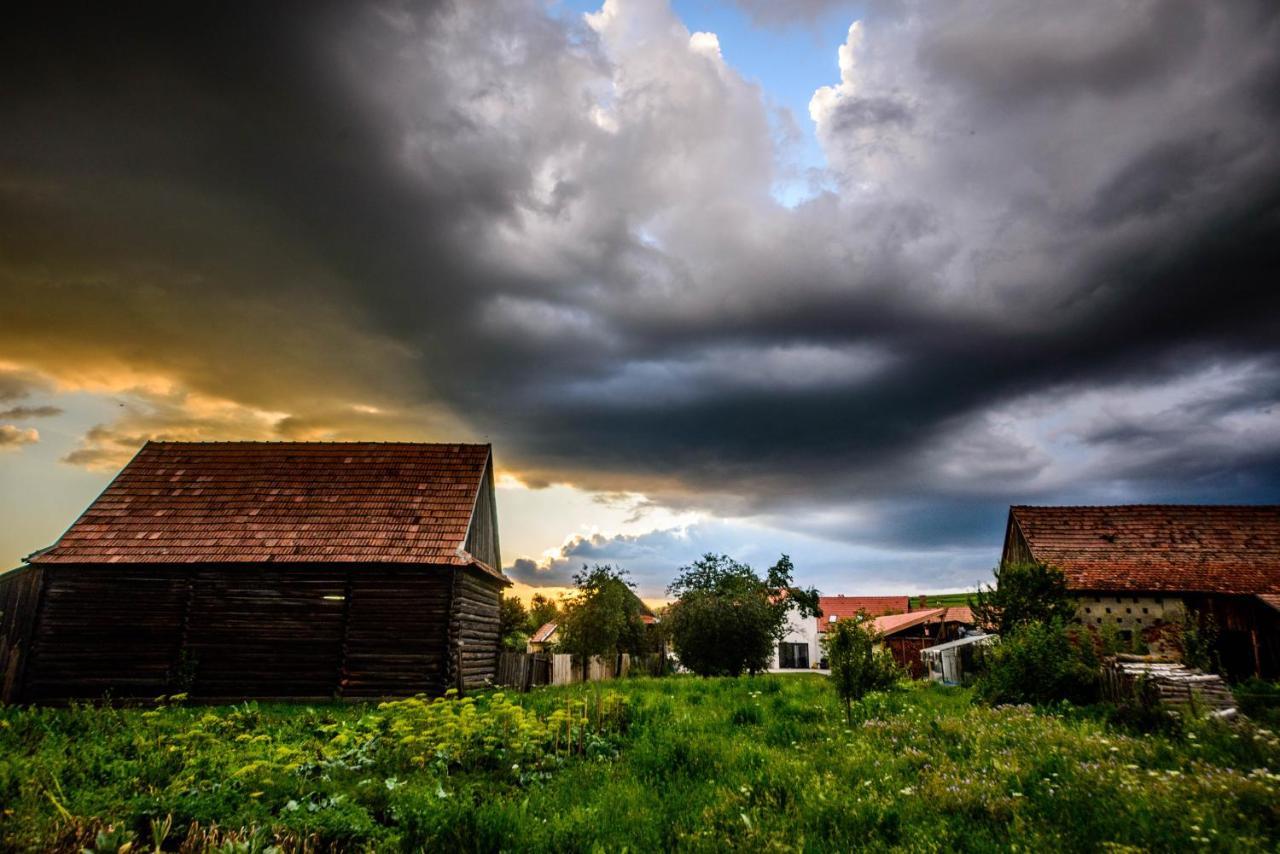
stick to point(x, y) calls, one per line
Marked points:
point(265, 569)
point(1141, 568)
point(544, 639)
point(801, 647)
point(906, 635)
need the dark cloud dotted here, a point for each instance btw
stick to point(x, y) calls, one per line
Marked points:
point(341, 220)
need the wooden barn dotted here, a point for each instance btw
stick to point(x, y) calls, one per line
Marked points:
point(265, 570)
point(1141, 569)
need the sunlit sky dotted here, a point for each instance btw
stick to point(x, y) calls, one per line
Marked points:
point(840, 280)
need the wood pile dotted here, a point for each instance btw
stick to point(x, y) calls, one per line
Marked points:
point(1181, 687)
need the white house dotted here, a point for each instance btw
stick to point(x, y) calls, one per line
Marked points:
point(799, 648)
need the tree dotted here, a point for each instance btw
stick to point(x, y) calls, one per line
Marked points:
point(604, 617)
point(1023, 593)
point(513, 622)
point(857, 667)
point(727, 620)
point(542, 610)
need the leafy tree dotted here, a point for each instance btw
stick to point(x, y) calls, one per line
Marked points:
point(604, 616)
point(857, 667)
point(513, 621)
point(1023, 593)
point(727, 619)
point(542, 610)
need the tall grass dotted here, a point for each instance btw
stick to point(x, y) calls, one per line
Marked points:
point(679, 763)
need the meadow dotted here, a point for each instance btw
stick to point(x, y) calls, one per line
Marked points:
point(763, 763)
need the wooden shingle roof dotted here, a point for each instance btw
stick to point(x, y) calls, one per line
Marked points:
point(1192, 548)
point(230, 502)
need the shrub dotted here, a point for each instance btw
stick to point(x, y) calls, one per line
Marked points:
point(856, 665)
point(1040, 663)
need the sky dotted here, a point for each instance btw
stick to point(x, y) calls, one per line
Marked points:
point(840, 280)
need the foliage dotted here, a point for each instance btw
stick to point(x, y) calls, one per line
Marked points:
point(1023, 593)
point(727, 620)
point(542, 610)
point(604, 618)
point(1197, 640)
point(1260, 700)
point(857, 667)
point(513, 624)
point(1041, 662)
point(761, 763)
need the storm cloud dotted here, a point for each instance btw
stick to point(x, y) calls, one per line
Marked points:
point(1042, 268)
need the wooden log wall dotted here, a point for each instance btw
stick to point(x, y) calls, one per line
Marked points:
point(477, 599)
point(103, 630)
point(19, 596)
point(229, 632)
point(397, 633)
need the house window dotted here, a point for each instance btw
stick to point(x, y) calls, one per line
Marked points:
point(793, 656)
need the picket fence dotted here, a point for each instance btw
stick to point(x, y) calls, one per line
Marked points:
point(524, 670)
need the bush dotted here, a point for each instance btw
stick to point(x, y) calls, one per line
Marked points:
point(1023, 593)
point(1040, 663)
point(857, 667)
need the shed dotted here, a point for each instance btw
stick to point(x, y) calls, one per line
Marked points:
point(1139, 568)
point(295, 570)
point(952, 663)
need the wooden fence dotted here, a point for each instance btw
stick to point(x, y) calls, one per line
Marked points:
point(522, 671)
point(19, 597)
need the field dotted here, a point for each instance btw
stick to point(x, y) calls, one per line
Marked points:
point(644, 764)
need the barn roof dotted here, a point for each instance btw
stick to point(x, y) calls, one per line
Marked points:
point(1193, 548)
point(843, 607)
point(327, 502)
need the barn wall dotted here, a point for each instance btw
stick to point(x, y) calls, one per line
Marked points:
point(236, 631)
point(397, 639)
point(477, 599)
point(482, 534)
point(106, 629)
point(19, 598)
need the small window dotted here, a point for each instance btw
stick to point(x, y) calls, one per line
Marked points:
point(1088, 610)
point(1128, 610)
point(1099, 621)
point(1117, 600)
point(1108, 610)
point(1144, 610)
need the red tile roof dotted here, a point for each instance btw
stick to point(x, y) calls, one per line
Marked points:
point(895, 623)
point(545, 631)
point(1193, 548)
point(843, 607)
point(220, 502)
point(959, 614)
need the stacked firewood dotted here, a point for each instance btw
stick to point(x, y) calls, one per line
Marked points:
point(1183, 688)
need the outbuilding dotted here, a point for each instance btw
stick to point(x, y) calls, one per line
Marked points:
point(1143, 570)
point(265, 570)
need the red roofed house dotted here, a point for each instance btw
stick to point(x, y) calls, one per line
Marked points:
point(265, 569)
point(801, 648)
point(544, 638)
point(1139, 567)
point(905, 635)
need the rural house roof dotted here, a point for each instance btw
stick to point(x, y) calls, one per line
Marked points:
point(1193, 548)
point(227, 502)
point(544, 633)
point(844, 607)
point(894, 623)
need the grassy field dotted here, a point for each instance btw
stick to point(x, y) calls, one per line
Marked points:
point(941, 600)
point(753, 763)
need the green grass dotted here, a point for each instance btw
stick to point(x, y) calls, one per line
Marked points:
point(645, 764)
point(941, 600)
